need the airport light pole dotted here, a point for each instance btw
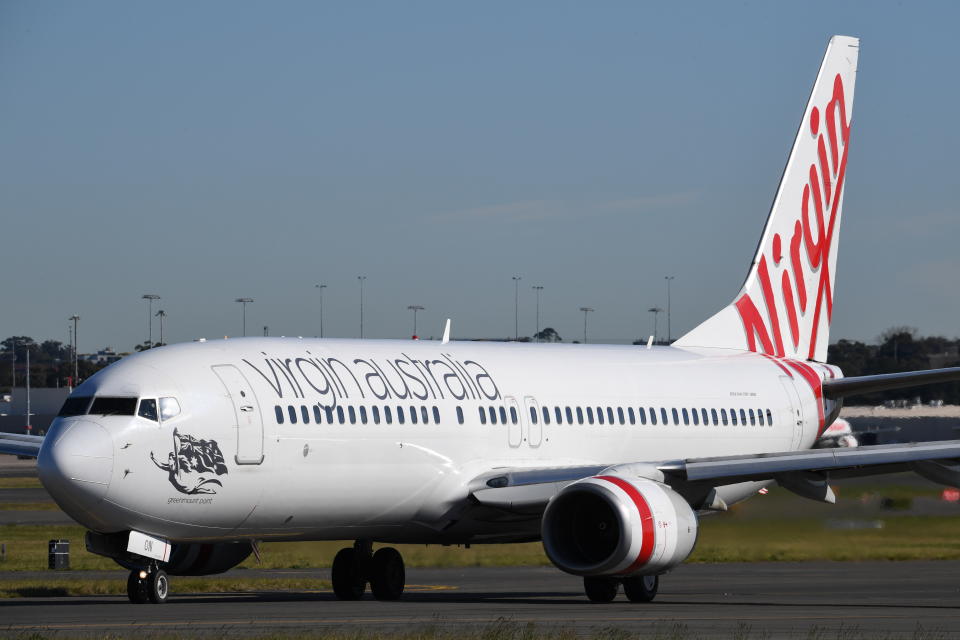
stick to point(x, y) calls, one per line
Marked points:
point(320, 288)
point(669, 279)
point(361, 279)
point(75, 318)
point(161, 314)
point(516, 307)
point(585, 310)
point(27, 425)
point(538, 289)
point(415, 308)
point(244, 302)
point(13, 366)
point(654, 311)
point(150, 297)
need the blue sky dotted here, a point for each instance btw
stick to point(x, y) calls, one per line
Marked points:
point(207, 151)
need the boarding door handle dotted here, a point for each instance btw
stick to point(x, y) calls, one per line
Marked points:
point(246, 407)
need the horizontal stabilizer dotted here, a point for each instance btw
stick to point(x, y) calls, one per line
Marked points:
point(869, 384)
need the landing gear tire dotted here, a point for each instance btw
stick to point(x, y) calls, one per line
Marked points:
point(137, 588)
point(601, 589)
point(387, 574)
point(641, 588)
point(347, 575)
point(158, 586)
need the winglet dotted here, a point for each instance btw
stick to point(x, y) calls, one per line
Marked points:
point(446, 332)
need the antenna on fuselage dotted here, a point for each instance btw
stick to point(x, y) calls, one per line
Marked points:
point(446, 332)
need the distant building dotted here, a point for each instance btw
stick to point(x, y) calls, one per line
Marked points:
point(104, 356)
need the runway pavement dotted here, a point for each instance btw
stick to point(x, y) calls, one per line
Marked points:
point(764, 600)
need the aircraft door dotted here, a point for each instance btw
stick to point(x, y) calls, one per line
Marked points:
point(246, 410)
point(514, 421)
point(534, 426)
point(795, 411)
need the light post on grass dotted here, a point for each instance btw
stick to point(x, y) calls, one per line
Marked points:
point(415, 308)
point(244, 302)
point(150, 297)
point(538, 289)
point(320, 288)
point(585, 310)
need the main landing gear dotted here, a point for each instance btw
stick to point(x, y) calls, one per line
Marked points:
point(354, 566)
point(638, 589)
point(148, 585)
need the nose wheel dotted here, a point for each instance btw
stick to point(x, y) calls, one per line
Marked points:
point(148, 585)
point(354, 567)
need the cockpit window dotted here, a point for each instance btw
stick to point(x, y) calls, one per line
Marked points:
point(75, 406)
point(148, 409)
point(169, 408)
point(106, 406)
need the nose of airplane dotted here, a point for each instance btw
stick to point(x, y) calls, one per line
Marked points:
point(77, 465)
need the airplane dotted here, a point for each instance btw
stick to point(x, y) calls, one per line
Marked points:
point(838, 434)
point(179, 460)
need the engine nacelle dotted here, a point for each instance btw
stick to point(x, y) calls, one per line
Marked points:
point(616, 526)
point(202, 559)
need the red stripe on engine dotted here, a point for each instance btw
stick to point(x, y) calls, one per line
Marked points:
point(646, 521)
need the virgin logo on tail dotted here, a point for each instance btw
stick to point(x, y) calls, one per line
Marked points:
point(809, 246)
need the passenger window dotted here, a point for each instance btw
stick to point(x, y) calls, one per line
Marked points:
point(533, 415)
point(760, 417)
point(493, 415)
point(703, 414)
point(653, 416)
point(693, 414)
point(375, 410)
point(579, 415)
point(363, 415)
point(400, 415)
point(676, 418)
point(723, 414)
point(733, 417)
point(570, 416)
point(436, 415)
point(424, 416)
point(610, 415)
point(546, 415)
point(503, 415)
point(353, 415)
point(769, 418)
point(590, 415)
point(686, 416)
point(599, 415)
point(413, 415)
point(743, 417)
point(305, 414)
point(483, 416)
point(388, 414)
point(558, 415)
point(329, 412)
point(292, 412)
point(620, 415)
point(277, 409)
point(753, 419)
point(663, 416)
point(460, 415)
point(316, 414)
point(169, 408)
point(632, 415)
point(642, 414)
point(713, 415)
point(148, 410)
point(513, 415)
point(340, 418)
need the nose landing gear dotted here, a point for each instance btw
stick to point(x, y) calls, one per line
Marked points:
point(354, 566)
point(148, 585)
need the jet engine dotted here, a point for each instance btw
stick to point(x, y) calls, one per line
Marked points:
point(201, 559)
point(612, 525)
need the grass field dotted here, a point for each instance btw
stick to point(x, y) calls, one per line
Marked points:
point(776, 527)
point(55, 587)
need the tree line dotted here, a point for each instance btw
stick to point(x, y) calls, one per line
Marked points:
point(897, 349)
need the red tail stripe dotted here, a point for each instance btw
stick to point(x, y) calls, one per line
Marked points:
point(646, 521)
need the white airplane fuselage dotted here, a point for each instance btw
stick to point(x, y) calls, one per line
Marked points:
point(268, 476)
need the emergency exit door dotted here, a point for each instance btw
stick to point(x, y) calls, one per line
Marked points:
point(246, 411)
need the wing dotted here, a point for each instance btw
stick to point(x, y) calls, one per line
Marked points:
point(842, 387)
point(20, 445)
point(804, 472)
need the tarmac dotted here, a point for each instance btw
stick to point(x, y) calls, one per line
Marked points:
point(757, 600)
